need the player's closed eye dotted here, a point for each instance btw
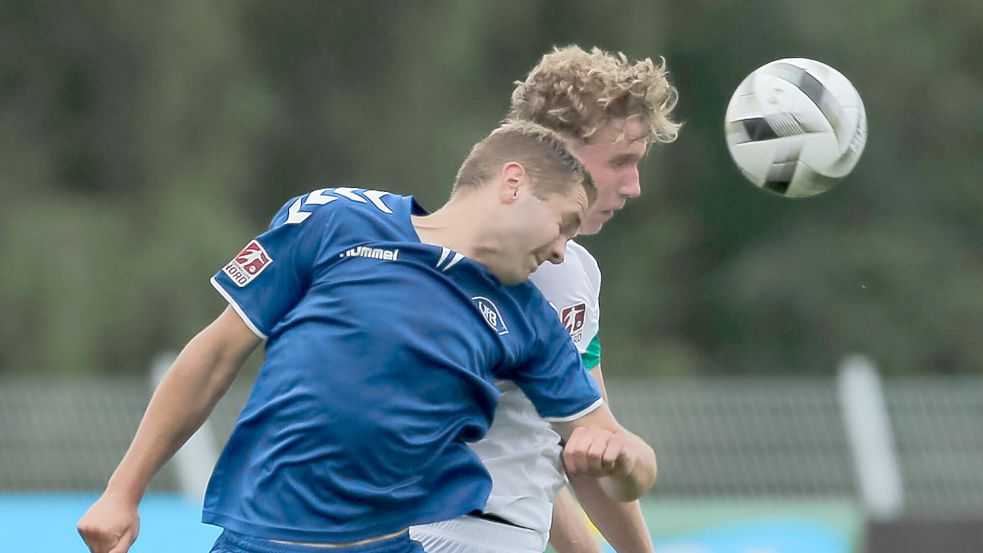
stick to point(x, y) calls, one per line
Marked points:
point(624, 161)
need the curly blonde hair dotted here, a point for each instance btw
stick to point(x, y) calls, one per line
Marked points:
point(577, 93)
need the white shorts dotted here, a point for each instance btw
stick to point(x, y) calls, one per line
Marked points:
point(469, 534)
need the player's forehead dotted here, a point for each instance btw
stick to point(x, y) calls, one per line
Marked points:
point(571, 208)
point(572, 199)
point(573, 203)
point(631, 130)
point(580, 201)
point(619, 137)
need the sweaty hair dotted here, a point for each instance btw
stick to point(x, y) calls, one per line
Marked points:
point(577, 93)
point(544, 154)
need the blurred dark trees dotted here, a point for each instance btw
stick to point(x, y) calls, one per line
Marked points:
point(142, 144)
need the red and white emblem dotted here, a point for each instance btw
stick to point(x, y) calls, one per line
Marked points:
point(573, 317)
point(248, 264)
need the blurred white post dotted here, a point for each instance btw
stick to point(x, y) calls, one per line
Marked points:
point(196, 459)
point(868, 428)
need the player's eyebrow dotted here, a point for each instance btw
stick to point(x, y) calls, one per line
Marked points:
point(625, 158)
point(570, 224)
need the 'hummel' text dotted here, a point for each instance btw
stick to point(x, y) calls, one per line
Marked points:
point(372, 253)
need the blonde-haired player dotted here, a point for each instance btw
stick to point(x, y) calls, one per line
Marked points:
point(610, 109)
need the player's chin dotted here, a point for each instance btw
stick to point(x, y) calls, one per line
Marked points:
point(589, 227)
point(513, 278)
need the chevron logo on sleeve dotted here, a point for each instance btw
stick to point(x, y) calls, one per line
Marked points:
point(325, 196)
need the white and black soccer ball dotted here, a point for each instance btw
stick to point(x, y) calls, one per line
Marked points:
point(796, 127)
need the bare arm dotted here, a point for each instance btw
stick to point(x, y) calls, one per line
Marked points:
point(569, 532)
point(621, 523)
point(199, 377)
point(596, 445)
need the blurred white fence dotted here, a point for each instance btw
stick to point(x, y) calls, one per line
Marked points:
point(725, 437)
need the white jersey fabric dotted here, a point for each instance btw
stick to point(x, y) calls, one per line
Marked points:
point(475, 535)
point(521, 450)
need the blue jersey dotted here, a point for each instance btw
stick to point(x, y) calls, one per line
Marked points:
point(381, 356)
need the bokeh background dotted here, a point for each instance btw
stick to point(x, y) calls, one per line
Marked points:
point(141, 144)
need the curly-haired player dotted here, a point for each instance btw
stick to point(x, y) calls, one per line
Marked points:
point(612, 110)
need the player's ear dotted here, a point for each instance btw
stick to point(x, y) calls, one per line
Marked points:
point(511, 179)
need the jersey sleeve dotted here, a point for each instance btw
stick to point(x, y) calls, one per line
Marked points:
point(554, 379)
point(273, 271)
point(592, 356)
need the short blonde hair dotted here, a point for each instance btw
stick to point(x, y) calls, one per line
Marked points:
point(544, 154)
point(578, 93)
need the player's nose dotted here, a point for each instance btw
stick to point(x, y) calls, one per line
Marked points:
point(632, 187)
point(557, 250)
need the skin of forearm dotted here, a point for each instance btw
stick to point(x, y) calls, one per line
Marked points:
point(621, 523)
point(630, 486)
point(569, 532)
point(188, 393)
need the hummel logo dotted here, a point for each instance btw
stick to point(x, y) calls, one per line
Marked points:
point(372, 253)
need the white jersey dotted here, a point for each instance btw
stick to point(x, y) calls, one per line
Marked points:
point(521, 450)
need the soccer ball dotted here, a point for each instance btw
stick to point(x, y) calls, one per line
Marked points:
point(795, 127)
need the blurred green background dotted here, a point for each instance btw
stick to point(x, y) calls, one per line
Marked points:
point(141, 144)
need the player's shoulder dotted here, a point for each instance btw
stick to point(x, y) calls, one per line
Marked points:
point(582, 257)
point(533, 302)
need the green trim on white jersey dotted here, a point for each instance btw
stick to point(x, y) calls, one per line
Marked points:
point(592, 357)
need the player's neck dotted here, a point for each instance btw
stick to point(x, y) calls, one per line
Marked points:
point(463, 225)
